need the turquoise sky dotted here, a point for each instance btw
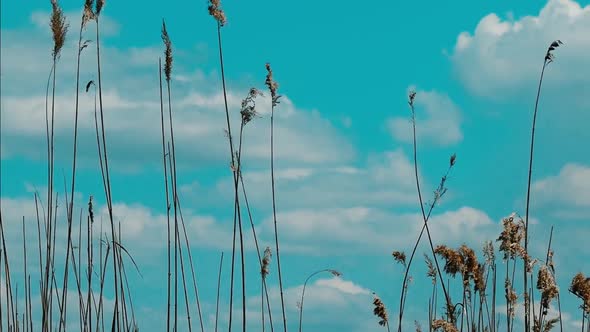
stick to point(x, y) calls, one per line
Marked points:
point(346, 195)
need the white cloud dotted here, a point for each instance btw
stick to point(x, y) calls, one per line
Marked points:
point(501, 57)
point(384, 179)
point(364, 229)
point(438, 120)
point(132, 109)
point(571, 187)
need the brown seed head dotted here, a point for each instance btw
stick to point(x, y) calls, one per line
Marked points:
point(272, 85)
point(264, 270)
point(59, 28)
point(549, 57)
point(580, 287)
point(248, 110)
point(411, 97)
point(453, 259)
point(380, 310)
point(443, 326)
point(90, 210)
point(431, 269)
point(216, 11)
point(511, 238)
point(99, 5)
point(167, 52)
point(511, 296)
point(335, 273)
point(546, 284)
point(400, 257)
point(88, 14)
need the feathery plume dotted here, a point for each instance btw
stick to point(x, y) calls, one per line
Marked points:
point(264, 270)
point(167, 52)
point(99, 5)
point(380, 310)
point(400, 257)
point(580, 287)
point(248, 110)
point(88, 14)
point(216, 11)
point(272, 85)
point(549, 57)
point(59, 28)
point(546, 284)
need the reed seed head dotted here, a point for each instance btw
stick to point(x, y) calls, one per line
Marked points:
point(453, 259)
point(90, 210)
point(167, 52)
point(264, 270)
point(248, 110)
point(216, 11)
point(580, 287)
point(511, 297)
point(88, 14)
point(59, 28)
point(511, 238)
point(546, 284)
point(400, 257)
point(335, 273)
point(380, 311)
point(99, 5)
point(272, 85)
point(431, 269)
point(443, 326)
point(549, 57)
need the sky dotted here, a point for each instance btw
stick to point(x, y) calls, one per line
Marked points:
point(345, 188)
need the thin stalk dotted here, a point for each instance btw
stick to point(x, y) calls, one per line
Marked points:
point(274, 213)
point(190, 257)
point(547, 60)
point(303, 292)
point(265, 288)
point(107, 179)
point(236, 200)
point(218, 289)
point(167, 193)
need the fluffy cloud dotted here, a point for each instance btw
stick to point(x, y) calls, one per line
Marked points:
point(132, 109)
point(438, 120)
point(364, 229)
point(384, 179)
point(502, 57)
point(564, 195)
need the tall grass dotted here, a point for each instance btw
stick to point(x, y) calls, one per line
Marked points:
point(476, 310)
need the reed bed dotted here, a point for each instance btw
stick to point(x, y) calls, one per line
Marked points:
point(97, 262)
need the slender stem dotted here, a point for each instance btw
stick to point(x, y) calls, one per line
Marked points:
point(274, 213)
point(107, 181)
point(303, 294)
point(236, 198)
point(167, 193)
point(528, 195)
point(218, 289)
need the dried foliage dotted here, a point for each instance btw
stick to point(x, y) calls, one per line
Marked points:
point(265, 269)
point(400, 257)
point(444, 326)
point(88, 14)
point(216, 11)
point(248, 109)
point(59, 28)
point(167, 52)
point(272, 85)
point(546, 284)
point(580, 287)
point(380, 311)
point(99, 5)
